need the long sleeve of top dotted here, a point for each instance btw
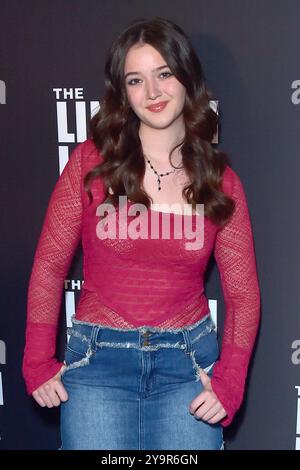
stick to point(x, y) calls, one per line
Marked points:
point(234, 254)
point(135, 281)
point(59, 238)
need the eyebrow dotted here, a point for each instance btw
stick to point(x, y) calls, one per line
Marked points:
point(136, 73)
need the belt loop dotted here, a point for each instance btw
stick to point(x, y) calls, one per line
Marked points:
point(93, 338)
point(187, 340)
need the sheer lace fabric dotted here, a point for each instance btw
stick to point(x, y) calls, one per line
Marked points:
point(144, 281)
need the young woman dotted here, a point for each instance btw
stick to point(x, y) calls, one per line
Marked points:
point(142, 367)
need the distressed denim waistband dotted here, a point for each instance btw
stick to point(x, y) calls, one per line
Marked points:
point(145, 338)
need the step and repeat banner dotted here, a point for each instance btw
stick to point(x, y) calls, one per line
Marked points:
point(52, 56)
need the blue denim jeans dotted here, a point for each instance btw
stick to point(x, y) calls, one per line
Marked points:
point(131, 389)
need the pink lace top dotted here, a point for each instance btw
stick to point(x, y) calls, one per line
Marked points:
point(130, 281)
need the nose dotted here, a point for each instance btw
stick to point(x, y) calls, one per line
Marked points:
point(153, 90)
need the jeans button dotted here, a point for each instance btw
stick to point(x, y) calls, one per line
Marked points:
point(145, 338)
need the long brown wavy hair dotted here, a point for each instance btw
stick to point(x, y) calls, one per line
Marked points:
point(114, 128)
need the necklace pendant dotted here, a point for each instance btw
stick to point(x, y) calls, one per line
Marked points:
point(159, 175)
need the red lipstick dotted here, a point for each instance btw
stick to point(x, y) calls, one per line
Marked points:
point(156, 108)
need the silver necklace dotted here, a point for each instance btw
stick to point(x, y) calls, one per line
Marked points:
point(160, 175)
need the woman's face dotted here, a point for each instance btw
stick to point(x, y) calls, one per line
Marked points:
point(148, 82)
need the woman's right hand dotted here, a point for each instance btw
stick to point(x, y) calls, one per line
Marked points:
point(52, 392)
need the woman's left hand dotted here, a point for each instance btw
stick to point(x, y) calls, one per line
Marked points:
point(206, 405)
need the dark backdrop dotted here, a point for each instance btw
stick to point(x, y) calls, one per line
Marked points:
point(250, 53)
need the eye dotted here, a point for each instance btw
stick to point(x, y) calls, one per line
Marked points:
point(168, 73)
point(131, 81)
